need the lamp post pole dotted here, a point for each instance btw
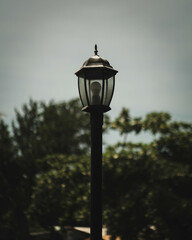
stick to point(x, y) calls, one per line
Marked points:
point(96, 82)
point(96, 174)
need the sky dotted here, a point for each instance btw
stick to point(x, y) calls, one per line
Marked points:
point(44, 42)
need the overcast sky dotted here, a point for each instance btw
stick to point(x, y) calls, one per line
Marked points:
point(44, 42)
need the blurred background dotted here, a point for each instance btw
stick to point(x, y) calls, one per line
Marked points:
point(147, 151)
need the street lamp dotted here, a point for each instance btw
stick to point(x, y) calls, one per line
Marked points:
point(96, 82)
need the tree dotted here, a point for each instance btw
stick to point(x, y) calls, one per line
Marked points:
point(45, 173)
point(125, 124)
point(157, 122)
point(146, 186)
point(49, 129)
point(11, 192)
point(173, 201)
point(42, 130)
point(126, 179)
point(39, 130)
point(61, 194)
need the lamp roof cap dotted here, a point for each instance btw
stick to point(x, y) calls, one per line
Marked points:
point(96, 62)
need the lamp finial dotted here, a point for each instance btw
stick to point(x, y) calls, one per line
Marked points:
point(96, 51)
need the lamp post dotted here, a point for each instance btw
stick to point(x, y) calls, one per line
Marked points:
point(96, 81)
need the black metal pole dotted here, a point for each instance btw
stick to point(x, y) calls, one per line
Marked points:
point(96, 174)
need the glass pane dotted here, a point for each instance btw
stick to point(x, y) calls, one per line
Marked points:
point(82, 91)
point(94, 90)
point(105, 92)
point(88, 83)
point(108, 91)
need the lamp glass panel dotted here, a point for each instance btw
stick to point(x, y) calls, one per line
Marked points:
point(94, 91)
point(109, 88)
point(82, 91)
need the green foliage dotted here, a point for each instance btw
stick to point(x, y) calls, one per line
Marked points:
point(7, 173)
point(61, 194)
point(147, 186)
point(64, 129)
point(43, 129)
point(125, 124)
point(12, 196)
point(39, 130)
point(127, 175)
point(157, 122)
point(45, 173)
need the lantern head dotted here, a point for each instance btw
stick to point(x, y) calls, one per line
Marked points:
point(96, 82)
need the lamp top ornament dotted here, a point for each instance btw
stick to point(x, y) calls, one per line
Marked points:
point(96, 66)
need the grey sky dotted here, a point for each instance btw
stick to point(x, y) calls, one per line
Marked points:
point(43, 42)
